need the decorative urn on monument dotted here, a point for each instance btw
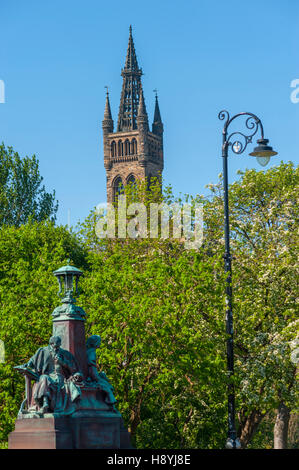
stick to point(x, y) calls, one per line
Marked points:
point(68, 404)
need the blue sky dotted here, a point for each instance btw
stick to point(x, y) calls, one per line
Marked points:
point(202, 56)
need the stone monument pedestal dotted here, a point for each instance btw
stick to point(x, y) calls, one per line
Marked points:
point(45, 433)
point(104, 431)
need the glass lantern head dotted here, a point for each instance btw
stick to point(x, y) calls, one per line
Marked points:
point(263, 152)
point(66, 276)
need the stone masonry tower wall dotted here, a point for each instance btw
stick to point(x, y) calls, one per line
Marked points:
point(133, 151)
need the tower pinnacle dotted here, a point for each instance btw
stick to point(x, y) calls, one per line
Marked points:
point(107, 112)
point(142, 114)
point(157, 127)
point(107, 122)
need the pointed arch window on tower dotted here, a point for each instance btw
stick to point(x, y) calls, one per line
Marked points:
point(120, 149)
point(118, 188)
point(131, 181)
point(113, 149)
point(134, 147)
point(127, 147)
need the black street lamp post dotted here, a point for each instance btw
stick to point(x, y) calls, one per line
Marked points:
point(238, 142)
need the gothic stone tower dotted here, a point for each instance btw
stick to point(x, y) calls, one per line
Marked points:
point(132, 151)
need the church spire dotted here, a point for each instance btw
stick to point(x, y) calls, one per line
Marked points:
point(131, 64)
point(129, 100)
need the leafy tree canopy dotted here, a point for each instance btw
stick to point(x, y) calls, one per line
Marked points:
point(22, 195)
point(185, 290)
point(160, 311)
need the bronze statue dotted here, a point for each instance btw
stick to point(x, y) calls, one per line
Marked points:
point(57, 379)
point(100, 379)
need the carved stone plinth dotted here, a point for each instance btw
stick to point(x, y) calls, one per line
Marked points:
point(72, 334)
point(100, 431)
point(45, 433)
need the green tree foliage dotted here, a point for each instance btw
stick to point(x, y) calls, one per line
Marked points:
point(22, 195)
point(161, 313)
point(157, 307)
point(28, 295)
point(264, 232)
point(263, 207)
point(162, 341)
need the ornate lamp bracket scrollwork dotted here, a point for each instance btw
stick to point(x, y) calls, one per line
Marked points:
point(238, 140)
